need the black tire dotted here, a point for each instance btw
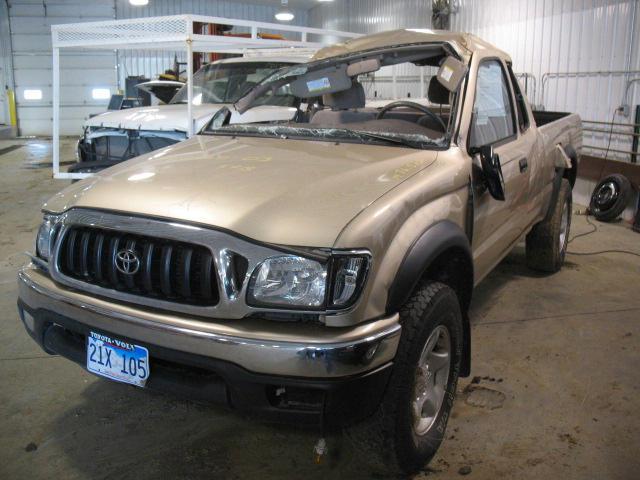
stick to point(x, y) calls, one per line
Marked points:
point(546, 246)
point(387, 442)
point(610, 197)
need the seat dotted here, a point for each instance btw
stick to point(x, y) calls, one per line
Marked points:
point(343, 107)
point(438, 95)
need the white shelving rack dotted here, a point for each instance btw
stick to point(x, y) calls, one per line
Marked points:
point(171, 33)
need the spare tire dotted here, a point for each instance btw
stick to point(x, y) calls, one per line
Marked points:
point(610, 197)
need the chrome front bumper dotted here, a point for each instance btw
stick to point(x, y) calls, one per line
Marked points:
point(260, 346)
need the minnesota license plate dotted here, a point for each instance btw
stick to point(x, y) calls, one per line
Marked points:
point(116, 359)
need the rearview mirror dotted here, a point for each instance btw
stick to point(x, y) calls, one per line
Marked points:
point(492, 171)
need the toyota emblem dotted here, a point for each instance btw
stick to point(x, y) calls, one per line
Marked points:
point(127, 262)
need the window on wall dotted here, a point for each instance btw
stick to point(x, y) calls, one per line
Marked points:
point(101, 93)
point(493, 118)
point(32, 94)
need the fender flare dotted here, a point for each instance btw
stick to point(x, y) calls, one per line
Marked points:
point(562, 172)
point(425, 250)
point(433, 242)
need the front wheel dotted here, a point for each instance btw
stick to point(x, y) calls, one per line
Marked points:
point(409, 427)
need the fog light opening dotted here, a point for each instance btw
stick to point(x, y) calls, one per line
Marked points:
point(28, 320)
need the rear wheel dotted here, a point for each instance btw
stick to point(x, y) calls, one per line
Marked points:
point(547, 242)
point(409, 427)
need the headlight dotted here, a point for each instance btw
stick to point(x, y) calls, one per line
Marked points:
point(291, 281)
point(46, 237)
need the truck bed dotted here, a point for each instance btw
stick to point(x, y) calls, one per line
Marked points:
point(542, 117)
point(559, 128)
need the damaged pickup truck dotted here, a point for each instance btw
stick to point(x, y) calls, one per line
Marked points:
point(118, 135)
point(318, 270)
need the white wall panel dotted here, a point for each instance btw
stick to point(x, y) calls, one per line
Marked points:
point(151, 63)
point(80, 72)
point(371, 16)
point(551, 39)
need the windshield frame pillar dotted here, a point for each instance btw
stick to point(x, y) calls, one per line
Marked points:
point(189, 86)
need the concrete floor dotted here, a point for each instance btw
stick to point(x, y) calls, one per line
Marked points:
point(556, 358)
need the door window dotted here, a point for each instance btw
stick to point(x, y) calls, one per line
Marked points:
point(493, 119)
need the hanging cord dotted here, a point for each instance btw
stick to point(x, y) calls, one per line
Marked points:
point(606, 153)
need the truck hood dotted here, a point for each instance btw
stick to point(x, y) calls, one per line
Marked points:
point(281, 191)
point(175, 117)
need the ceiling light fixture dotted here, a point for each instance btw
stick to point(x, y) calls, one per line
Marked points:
point(139, 3)
point(284, 14)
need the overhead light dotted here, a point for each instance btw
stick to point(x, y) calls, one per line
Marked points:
point(139, 3)
point(284, 14)
point(325, 0)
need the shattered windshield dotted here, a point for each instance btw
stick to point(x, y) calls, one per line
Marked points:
point(228, 82)
point(355, 98)
point(292, 130)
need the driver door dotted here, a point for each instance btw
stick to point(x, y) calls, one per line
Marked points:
point(497, 224)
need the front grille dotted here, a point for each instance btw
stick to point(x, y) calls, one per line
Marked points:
point(167, 270)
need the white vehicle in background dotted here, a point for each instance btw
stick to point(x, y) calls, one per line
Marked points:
point(118, 135)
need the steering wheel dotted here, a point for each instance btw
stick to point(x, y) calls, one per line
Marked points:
point(415, 106)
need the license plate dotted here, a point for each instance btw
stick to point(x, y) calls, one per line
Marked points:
point(116, 359)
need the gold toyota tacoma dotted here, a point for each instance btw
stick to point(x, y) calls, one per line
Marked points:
point(317, 270)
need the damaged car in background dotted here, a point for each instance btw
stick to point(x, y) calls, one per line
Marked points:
point(118, 135)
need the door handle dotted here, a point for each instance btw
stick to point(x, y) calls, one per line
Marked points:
point(523, 165)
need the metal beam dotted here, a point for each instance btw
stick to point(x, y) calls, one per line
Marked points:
point(56, 112)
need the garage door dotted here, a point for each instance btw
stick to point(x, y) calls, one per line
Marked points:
point(85, 76)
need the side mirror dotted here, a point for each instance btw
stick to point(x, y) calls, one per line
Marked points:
point(492, 171)
point(220, 119)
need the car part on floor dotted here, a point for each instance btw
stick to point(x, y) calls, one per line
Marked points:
point(610, 197)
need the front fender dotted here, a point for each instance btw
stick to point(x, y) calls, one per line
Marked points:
point(443, 252)
point(440, 237)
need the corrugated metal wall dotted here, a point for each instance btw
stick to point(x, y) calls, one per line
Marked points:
point(553, 40)
point(151, 63)
point(31, 22)
point(371, 16)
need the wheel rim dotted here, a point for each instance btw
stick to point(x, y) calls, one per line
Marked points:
point(432, 377)
point(606, 196)
point(564, 226)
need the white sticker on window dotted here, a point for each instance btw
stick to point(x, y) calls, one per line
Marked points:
point(446, 72)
